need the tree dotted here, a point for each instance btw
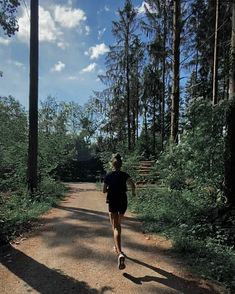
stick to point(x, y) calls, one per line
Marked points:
point(155, 28)
point(121, 56)
point(8, 22)
point(230, 138)
point(215, 66)
point(33, 99)
point(13, 144)
point(232, 55)
point(202, 62)
point(176, 72)
point(56, 145)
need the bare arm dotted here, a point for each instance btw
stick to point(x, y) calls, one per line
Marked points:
point(131, 183)
point(105, 188)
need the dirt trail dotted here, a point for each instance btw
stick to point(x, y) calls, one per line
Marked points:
point(72, 253)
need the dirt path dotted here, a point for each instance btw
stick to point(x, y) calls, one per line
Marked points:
point(72, 253)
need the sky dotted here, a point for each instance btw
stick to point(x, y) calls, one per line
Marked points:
point(74, 36)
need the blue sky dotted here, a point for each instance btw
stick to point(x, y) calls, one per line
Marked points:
point(74, 38)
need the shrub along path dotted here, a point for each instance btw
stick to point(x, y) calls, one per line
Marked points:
point(71, 252)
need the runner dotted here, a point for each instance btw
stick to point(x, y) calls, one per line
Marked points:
point(115, 184)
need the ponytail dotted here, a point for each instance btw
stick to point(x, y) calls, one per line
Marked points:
point(116, 161)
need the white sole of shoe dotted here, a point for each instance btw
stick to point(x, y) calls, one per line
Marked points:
point(121, 262)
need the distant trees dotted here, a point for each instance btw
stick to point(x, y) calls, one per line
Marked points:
point(187, 38)
point(123, 75)
point(145, 104)
point(67, 132)
point(158, 68)
point(13, 144)
point(210, 43)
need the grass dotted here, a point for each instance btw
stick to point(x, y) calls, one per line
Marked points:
point(179, 216)
point(18, 210)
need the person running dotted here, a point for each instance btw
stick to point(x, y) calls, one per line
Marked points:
point(115, 185)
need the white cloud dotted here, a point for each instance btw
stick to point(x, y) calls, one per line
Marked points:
point(16, 63)
point(101, 33)
point(59, 66)
point(97, 50)
point(48, 31)
point(68, 17)
point(51, 23)
point(90, 68)
point(4, 41)
point(141, 9)
point(63, 45)
point(87, 30)
point(24, 26)
point(73, 78)
point(106, 8)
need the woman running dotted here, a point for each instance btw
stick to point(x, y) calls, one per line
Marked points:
point(115, 184)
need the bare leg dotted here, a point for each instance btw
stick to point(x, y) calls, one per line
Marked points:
point(116, 226)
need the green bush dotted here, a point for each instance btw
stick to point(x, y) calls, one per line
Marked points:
point(19, 209)
point(13, 144)
point(189, 194)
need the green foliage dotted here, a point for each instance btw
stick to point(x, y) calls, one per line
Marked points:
point(189, 194)
point(55, 145)
point(130, 162)
point(198, 161)
point(18, 209)
point(183, 216)
point(130, 165)
point(209, 258)
point(8, 21)
point(54, 149)
point(13, 144)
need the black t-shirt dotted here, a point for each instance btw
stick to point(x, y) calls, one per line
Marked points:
point(116, 182)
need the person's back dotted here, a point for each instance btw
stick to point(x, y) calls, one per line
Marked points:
point(116, 181)
point(115, 184)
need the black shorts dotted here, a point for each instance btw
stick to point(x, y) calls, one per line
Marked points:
point(119, 208)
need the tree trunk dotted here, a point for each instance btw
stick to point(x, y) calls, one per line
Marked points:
point(230, 139)
point(154, 122)
point(133, 119)
point(230, 156)
point(146, 131)
point(128, 93)
point(176, 73)
point(163, 80)
point(137, 111)
point(215, 66)
point(33, 98)
point(232, 66)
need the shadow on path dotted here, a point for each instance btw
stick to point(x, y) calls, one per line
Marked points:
point(168, 279)
point(65, 231)
point(41, 278)
point(94, 213)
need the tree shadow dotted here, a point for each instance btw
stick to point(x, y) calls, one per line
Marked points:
point(96, 214)
point(92, 224)
point(72, 188)
point(41, 278)
point(170, 280)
